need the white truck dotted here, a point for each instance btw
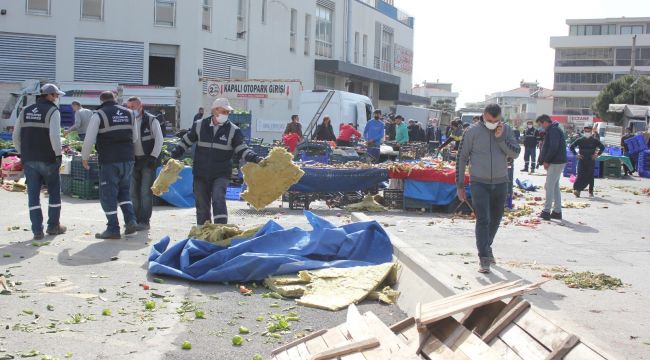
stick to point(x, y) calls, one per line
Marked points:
point(343, 108)
point(419, 114)
point(466, 118)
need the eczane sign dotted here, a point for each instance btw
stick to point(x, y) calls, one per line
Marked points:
point(254, 89)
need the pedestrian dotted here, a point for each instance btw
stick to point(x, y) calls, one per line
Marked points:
point(346, 133)
point(455, 134)
point(218, 141)
point(422, 133)
point(199, 115)
point(553, 158)
point(413, 131)
point(112, 128)
point(294, 127)
point(81, 120)
point(391, 128)
point(486, 146)
point(37, 138)
point(374, 134)
point(531, 137)
point(147, 153)
point(401, 131)
point(165, 126)
point(476, 119)
point(434, 134)
point(324, 131)
point(628, 135)
point(590, 149)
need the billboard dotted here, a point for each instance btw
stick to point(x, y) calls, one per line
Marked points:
point(254, 89)
point(403, 59)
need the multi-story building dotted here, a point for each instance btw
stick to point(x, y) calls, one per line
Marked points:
point(363, 46)
point(595, 52)
point(436, 91)
point(526, 102)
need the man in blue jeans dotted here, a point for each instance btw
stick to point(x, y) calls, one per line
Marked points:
point(37, 138)
point(114, 130)
point(374, 133)
point(486, 146)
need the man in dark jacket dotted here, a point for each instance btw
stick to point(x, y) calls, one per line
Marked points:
point(590, 149)
point(324, 131)
point(553, 158)
point(294, 127)
point(217, 141)
point(391, 128)
point(628, 134)
point(531, 136)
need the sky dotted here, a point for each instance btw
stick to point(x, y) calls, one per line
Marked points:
point(484, 47)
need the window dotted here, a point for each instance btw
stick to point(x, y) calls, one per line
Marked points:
point(206, 15)
point(264, 10)
point(573, 30)
point(307, 34)
point(365, 50)
point(631, 29)
point(241, 19)
point(609, 29)
point(581, 81)
point(647, 28)
point(92, 9)
point(324, 81)
point(293, 30)
point(584, 57)
point(324, 36)
point(386, 49)
point(624, 56)
point(38, 7)
point(165, 13)
point(572, 106)
point(592, 30)
point(356, 47)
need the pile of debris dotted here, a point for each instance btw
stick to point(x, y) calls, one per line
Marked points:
point(490, 329)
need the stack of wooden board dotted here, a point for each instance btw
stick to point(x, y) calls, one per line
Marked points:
point(487, 328)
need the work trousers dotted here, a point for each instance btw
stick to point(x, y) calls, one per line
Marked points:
point(143, 177)
point(38, 173)
point(552, 187)
point(114, 191)
point(585, 175)
point(530, 157)
point(489, 203)
point(207, 192)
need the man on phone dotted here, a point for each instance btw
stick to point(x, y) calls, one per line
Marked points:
point(486, 146)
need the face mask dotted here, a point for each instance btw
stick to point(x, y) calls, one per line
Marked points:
point(137, 113)
point(222, 118)
point(587, 135)
point(491, 126)
point(530, 126)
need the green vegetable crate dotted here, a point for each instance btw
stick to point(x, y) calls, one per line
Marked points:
point(66, 184)
point(85, 189)
point(611, 168)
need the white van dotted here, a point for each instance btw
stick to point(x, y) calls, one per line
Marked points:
point(343, 108)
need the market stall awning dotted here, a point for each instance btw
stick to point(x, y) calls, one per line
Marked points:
point(630, 111)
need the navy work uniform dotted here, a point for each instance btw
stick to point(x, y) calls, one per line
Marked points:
point(147, 152)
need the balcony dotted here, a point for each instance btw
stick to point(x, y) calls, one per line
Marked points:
point(391, 11)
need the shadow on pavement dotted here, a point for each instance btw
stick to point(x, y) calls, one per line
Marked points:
point(101, 251)
point(18, 251)
point(581, 228)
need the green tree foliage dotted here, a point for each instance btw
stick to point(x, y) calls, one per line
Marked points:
point(625, 90)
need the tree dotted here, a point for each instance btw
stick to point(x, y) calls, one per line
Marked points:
point(626, 90)
point(446, 105)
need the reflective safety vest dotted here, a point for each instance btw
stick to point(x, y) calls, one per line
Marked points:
point(35, 132)
point(115, 136)
point(214, 150)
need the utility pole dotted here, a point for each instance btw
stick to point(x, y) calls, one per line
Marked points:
point(633, 55)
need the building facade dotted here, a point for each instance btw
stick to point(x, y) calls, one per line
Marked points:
point(362, 46)
point(436, 91)
point(526, 102)
point(595, 52)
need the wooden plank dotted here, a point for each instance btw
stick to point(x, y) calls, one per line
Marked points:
point(303, 351)
point(282, 355)
point(346, 334)
point(583, 352)
point(503, 350)
point(316, 345)
point(349, 348)
point(480, 319)
point(560, 351)
point(298, 341)
point(358, 330)
point(293, 354)
point(468, 294)
point(458, 338)
point(404, 324)
point(522, 343)
point(333, 337)
point(397, 348)
point(547, 333)
point(505, 320)
point(434, 349)
point(413, 338)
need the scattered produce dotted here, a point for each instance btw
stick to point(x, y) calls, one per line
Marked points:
point(244, 330)
point(106, 312)
point(237, 340)
point(149, 304)
point(590, 280)
point(186, 345)
point(199, 314)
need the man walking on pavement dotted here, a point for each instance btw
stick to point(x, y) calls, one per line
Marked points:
point(590, 149)
point(553, 157)
point(113, 129)
point(374, 134)
point(37, 138)
point(486, 146)
point(531, 137)
point(217, 141)
point(199, 115)
point(147, 151)
point(81, 120)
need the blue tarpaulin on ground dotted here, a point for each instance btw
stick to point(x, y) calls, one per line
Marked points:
point(339, 180)
point(274, 251)
point(526, 185)
point(435, 193)
point(181, 192)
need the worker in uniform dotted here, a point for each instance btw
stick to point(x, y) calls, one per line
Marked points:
point(217, 141)
point(531, 137)
point(112, 128)
point(590, 149)
point(37, 138)
point(81, 120)
point(147, 152)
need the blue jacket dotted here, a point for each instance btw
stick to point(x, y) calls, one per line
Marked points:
point(554, 148)
point(374, 131)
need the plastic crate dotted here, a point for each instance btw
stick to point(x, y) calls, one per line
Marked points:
point(417, 205)
point(636, 144)
point(260, 150)
point(85, 189)
point(66, 184)
point(233, 193)
point(79, 173)
point(597, 169)
point(614, 151)
point(394, 198)
point(643, 162)
point(611, 168)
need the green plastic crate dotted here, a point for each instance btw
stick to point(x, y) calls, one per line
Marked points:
point(85, 189)
point(611, 168)
point(66, 184)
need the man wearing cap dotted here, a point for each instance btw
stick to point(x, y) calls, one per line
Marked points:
point(81, 120)
point(147, 152)
point(590, 149)
point(531, 137)
point(37, 138)
point(113, 129)
point(217, 141)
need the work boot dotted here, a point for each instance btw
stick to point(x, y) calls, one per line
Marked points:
point(525, 169)
point(57, 230)
point(556, 215)
point(106, 235)
point(576, 193)
point(130, 229)
point(143, 227)
point(484, 265)
point(545, 215)
point(39, 236)
point(532, 170)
